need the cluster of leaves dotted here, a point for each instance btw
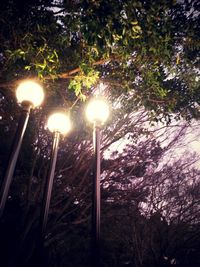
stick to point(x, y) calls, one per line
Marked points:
point(84, 80)
point(137, 45)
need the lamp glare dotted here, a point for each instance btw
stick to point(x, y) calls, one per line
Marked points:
point(97, 111)
point(59, 122)
point(30, 91)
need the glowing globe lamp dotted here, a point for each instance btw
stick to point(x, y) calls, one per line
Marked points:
point(59, 122)
point(97, 111)
point(30, 91)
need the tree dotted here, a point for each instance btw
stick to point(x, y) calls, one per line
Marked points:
point(151, 217)
point(129, 180)
point(150, 48)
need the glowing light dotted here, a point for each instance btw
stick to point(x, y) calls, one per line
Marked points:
point(30, 91)
point(59, 122)
point(97, 110)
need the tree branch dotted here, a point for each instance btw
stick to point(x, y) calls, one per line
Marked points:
point(65, 75)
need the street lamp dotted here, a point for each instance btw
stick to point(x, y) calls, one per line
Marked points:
point(58, 123)
point(97, 112)
point(30, 95)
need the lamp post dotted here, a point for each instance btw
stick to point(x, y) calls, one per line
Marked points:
point(30, 95)
point(97, 112)
point(58, 123)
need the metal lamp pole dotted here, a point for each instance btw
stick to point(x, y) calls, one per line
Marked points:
point(49, 183)
point(17, 142)
point(29, 94)
point(97, 112)
point(96, 202)
point(58, 123)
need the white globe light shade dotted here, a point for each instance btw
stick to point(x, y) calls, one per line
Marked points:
point(59, 122)
point(97, 111)
point(30, 91)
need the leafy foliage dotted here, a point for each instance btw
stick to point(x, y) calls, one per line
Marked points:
point(138, 46)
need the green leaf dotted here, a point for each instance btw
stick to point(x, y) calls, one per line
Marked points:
point(27, 67)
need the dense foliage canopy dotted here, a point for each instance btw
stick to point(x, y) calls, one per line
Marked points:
point(150, 48)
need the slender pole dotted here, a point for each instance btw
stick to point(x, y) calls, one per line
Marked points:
point(14, 155)
point(96, 199)
point(49, 184)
